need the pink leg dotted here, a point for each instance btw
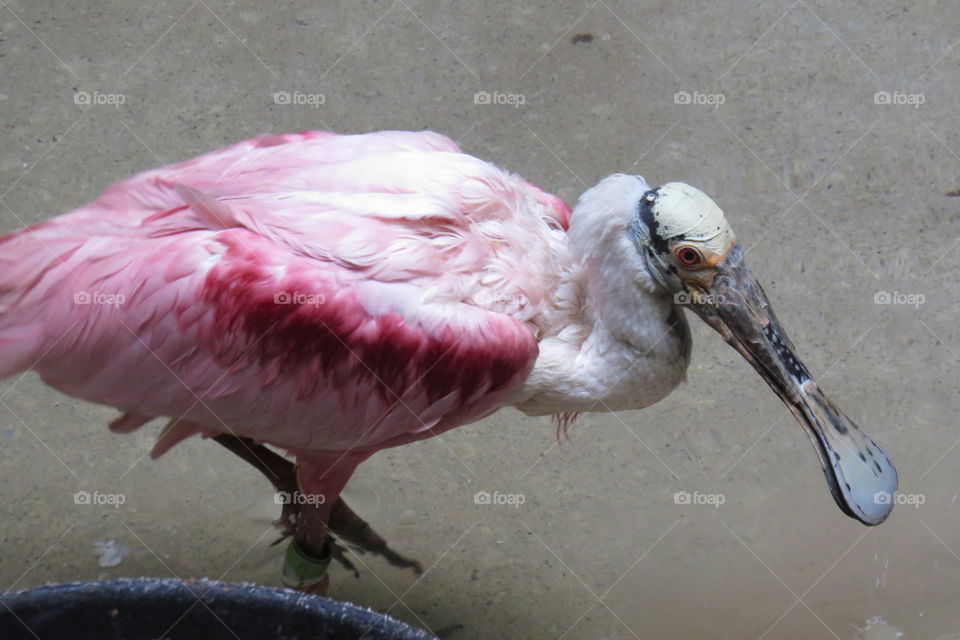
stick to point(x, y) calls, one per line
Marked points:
point(316, 511)
point(320, 479)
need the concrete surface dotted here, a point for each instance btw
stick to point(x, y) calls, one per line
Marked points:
point(836, 195)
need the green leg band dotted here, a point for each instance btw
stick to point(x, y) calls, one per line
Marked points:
point(303, 570)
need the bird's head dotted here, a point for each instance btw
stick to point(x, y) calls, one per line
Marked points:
point(692, 254)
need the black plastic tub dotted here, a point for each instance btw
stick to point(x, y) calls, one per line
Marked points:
point(167, 609)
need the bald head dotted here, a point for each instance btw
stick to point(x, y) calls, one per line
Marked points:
point(677, 212)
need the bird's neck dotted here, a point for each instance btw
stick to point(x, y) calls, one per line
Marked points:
point(620, 341)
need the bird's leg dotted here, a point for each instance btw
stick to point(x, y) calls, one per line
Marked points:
point(309, 554)
point(310, 551)
point(281, 473)
point(311, 523)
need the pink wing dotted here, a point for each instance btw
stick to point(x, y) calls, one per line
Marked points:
point(313, 291)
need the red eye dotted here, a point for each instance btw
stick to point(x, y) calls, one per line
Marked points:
point(688, 256)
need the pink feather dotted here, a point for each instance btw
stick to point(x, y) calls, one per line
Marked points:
point(312, 291)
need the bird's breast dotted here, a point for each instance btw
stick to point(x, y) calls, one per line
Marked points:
point(606, 372)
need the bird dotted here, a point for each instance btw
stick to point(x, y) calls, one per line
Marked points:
point(308, 299)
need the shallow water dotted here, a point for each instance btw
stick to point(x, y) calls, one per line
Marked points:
point(599, 547)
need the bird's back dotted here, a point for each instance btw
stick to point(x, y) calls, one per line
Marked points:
point(309, 290)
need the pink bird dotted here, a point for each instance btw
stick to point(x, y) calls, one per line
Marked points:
point(333, 295)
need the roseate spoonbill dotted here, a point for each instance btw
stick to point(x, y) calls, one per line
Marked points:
point(336, 295)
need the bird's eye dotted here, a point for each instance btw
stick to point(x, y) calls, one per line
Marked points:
point(688, 256)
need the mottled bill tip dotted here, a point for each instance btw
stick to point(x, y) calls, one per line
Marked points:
point(861, 477)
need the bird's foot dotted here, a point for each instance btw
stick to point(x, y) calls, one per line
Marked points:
point(310, 528)
point(345, 526)
point(351, 528)
point(339, 553)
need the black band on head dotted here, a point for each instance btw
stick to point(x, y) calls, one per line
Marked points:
point(645, 212)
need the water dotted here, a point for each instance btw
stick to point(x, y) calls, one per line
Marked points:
point(599, 548)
